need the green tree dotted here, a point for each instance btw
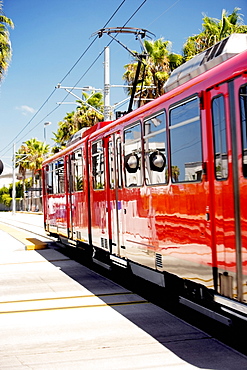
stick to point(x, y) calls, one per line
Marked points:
point(5, 197)
point(213, 31)
point(66, 129)
point(175, 173)
point(36, 153)
point(5, 45)
point(84, 116)
point(22, 163)
point(6, 193)
point(18, 188)
point(155, 69)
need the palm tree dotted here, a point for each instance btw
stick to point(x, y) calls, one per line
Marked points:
point(175, 173)
point(213, 31)
point(155, 70)
point(85, 116)
point(22, 162)
point(5, 45)
point(66, 129)
point(36, 152)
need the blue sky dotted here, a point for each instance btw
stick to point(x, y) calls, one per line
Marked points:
point(50, 36)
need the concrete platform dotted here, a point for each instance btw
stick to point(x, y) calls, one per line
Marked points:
point(58, 314)
point(10, 223)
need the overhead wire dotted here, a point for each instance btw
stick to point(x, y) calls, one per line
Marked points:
point(160, 15)
point(36, 113)
point(74, 65)
point(82, 55)
point(100, 54)
point(6, 148)
point(92, 64)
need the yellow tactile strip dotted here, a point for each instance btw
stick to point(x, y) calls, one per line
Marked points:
point(24, 237)
point(70, 302)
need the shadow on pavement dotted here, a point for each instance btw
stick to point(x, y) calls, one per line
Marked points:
point(188, 343)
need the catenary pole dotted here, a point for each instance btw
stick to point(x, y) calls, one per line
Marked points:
point(14, 190)
point(107, 107)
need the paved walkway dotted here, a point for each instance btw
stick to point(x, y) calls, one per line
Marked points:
point(58, 314)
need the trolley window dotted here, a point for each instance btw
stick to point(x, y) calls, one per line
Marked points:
point(115, 162)
point(49, 179)
point(220, 143)
point(243, 117)
point(132, 155)
point(55, 177)
point(98, 165)
point(155, 149)
point(76, 171)
point(119, 162)
point(59, 176)
point(112, 165)
point(186, 141)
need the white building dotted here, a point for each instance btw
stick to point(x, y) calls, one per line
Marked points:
point(6, 178)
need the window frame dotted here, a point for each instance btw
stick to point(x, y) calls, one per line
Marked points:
point(74, 170)
point(172, 107)
point(137, 152)
point(50, 178)
point(166, 153)
point(60, 185)
point(101, 165)
point(220, 95)
point(244, 165)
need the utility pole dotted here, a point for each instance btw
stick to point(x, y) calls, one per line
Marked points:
point(69, 90)
point(14, 179)
point(45, 125)
point(107, 107)
point(140, 33)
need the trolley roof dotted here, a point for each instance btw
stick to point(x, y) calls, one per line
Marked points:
point(223, 50)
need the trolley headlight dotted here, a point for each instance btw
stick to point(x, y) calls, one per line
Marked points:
point(131, 162)
point(157, 161)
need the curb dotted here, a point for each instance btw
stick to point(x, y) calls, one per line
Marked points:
point(25, 238)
